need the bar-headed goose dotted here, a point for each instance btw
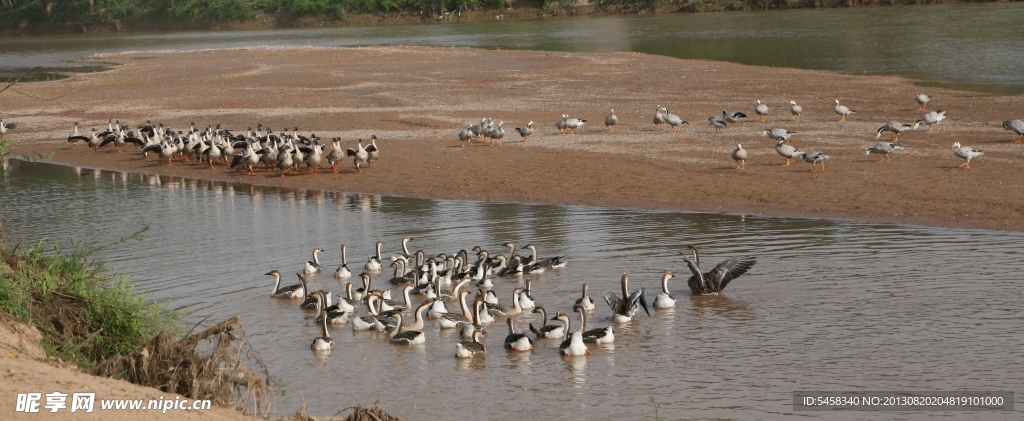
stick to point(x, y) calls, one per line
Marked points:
point(843, 111)
point(796, 110)
point(611, 120)
point(787, 151)
point(966, 153)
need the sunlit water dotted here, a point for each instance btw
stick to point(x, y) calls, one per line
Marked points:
point(967, 46)
point(829, 306)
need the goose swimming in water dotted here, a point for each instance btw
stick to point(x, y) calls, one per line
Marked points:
point(716, 279)
point(787, 151)
point(740, 156)
point(584, 301)
point(324, 342)
point(573, 345)
point(625, 308)
point(550, 331)
point(796, 110)
point(665, 299)
point(525, 299)
point(843, 111)
point(611, 120)
point(405, 337)
point(602, 335)
point(885, 149)
point(375, 264)
point(761, 110)
point(342, 272)
point(291, 291)
point(313, 266)
point(334, 315)
point(470, 349)
point(556, 262)
point(966, 153)
point(517, 341)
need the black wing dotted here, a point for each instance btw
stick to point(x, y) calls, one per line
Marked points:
point(731, 269)
point(154, 147)
point(371, 148)
point(696, 282)
point(350, 152)
point(135, 140)
point(107, 140)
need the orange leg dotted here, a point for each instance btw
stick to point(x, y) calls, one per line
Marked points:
point(842, 120)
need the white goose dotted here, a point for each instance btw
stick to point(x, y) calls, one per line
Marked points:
point(843, 111)
point(517, 341)
point(324, 342)
point(313, 266)
point(359, 156)
point(665, 299)
point(375, 263)
point(573, 345)
point(342, 272)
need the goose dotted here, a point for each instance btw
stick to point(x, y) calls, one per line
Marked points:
point(456, 320)
point(478, 130)
point(120, 139)
point(525, 131)
point(779, 133)
point(562, 124)
point(584, 301)
point(310, 301)
point(966, 153)
point(285, 160)
point(517, 341)
point(483, 314)
point(556, 262)
point(1016, 126)
point(476, 326)
point(885, 149)
point(92, 140)
point(718, 123)
point(611, 120)
point(814, 158)
point(405, 247)
point(525, 300)
point(359, 156)
point(342, 272)
point(761, 110)
point(506, 311)
point(574, 124)
point(513, 267)
point(550, 331)
point(659, 117)
point(466, 135)
point(291, 291)
point(740, 156)
point(336, 155)
point(314, 155)
point(349, 301)
point(437, 308)
point(674, 121)
point(213, 153)
point(787, 151)
point(843, 111)
point(936, 117)
point(370, 321)
point(324, 342)
point(922, 101)
point(375, 264)
point(573, 345)
point(665, 299)
point(417, 323)
point(74, 137)
point(733, 118)
point(164, 149)
point(471, 348)
point(716, 279)
point(796, 110)
point(334, 315)
point(313, 266)
point(601, 335)
point(372, 151)
point(405, 337)
point(249, 158)
point(4, 127)
point(405, 304)
point(896, 128)
point(625, 308)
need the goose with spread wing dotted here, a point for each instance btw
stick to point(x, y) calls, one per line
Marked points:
point(625, 308)
point(716, 279)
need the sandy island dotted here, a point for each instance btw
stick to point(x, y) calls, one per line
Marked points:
point(415, 99)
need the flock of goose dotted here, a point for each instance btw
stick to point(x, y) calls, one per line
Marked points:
point(448, 278)
point(286, 151)
point(486, 130)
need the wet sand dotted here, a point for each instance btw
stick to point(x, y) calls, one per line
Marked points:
point(415, 99)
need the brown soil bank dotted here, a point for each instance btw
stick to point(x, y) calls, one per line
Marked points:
point(416, 100)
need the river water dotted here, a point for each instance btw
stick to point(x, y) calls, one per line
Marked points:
point(963, 46)
point(830, 305)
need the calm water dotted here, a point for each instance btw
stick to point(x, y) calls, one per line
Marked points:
point(966, 46)
point(829, 305)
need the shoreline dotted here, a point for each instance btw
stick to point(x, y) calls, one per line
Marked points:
point(416, 98)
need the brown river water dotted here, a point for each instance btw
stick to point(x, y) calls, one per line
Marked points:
point(830, 305)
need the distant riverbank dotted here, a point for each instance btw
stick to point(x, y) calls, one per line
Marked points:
point(35, 17)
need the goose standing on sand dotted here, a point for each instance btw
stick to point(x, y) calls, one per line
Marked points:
point(517, 341)
point(665, 298)
point(761, 110)
point(585, 302)
point(718, 123)
point(733, 118)
point(716, 279)
point(574, 124)
point(337, 154)
point(343, 272)
point(478, 130)
point(885, 149)
point(375, 264)
point(779, 133)
point(295, 291)
point(1015, 126)
point(896, 128)
point(496, 133)
point(573, 346)
point(285, 160)
point(814, 158)
point(611, 120)
point(75, 137)
point(740, 156)
point(922, 101)
point(164, 149)
point(248, 158)
point(405, 337)
point(313, 266)
point(674, 121)
point(4, 127)
point(372, 151)
point(659, 117)
point(934, 118)
point(843, 111)
point(359, 156)
point(625, 308)
point(470, 349)
point(796, 110)
point(314, 155)
point(120, 139)
point(466, 135)
point(525, 131)
point(324, 342)
point(966, 153)
point(787, 151)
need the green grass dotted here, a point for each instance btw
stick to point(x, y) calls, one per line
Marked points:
point(85, 313)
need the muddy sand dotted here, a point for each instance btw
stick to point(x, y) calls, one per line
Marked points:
point(415, 99)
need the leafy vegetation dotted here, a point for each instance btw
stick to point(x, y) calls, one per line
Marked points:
point(84, 313)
